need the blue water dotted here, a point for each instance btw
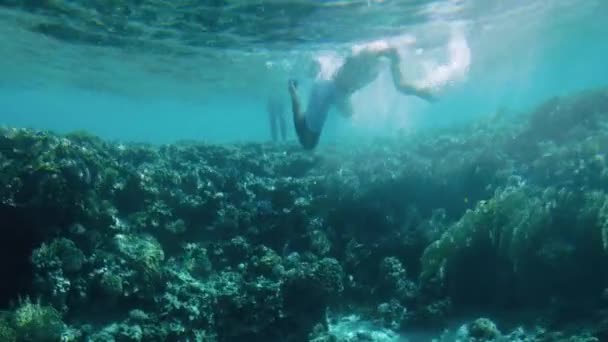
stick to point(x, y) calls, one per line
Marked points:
point(520, 54)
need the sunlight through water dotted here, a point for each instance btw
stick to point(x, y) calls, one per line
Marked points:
point(213, 64)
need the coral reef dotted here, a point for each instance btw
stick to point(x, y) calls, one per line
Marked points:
point(497, 231)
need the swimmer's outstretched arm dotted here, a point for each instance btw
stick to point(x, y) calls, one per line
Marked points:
point(384, 50)
point(401, 85)
point(410, 89)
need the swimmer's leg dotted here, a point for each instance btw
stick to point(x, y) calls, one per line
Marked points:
point(308, 139)
point(282, 126)
point(273, 126)
point(386, 50)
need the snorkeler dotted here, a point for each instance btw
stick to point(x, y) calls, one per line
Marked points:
point(275, 108)
point(359, 69)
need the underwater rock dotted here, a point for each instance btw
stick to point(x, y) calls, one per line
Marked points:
point(481, 329)
point(140, 260)
point(392, 314)
point(36, 322)
point(61, 253)
point(7, 333)
point(558, 118)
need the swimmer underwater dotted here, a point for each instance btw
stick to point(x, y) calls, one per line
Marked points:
point(359, 69)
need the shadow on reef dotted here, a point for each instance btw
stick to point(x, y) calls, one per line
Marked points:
point(24, 229)
point(19, 239)
point(262, 242)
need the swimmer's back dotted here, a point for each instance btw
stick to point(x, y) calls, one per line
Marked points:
point(357, 71)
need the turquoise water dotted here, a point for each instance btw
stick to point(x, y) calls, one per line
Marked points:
point(163, 71)
point(494, 232)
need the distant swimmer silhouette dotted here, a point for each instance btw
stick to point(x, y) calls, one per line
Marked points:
point(275, 108)
point(360, 68)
